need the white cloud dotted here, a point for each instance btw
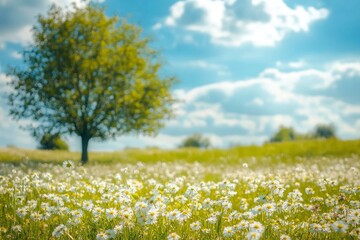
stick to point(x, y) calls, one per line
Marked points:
point(238, 22)
point(16, 55)
point(18, 16)
point(4, 80)
point(291, 65)
point(220, 70)
point(298, 64)
point(258, 102)
point(248, 110)
point(258, 106)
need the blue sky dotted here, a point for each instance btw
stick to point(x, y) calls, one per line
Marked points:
point(245, 66)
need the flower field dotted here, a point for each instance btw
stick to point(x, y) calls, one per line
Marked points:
point(312, 199)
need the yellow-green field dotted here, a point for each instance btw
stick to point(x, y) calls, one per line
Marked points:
point(294, 190)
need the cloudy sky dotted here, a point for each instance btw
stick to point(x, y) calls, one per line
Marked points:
point(245, 66)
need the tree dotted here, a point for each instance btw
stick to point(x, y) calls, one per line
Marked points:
point(196, 141)
point(324, 131)
point(53, 142)
point(284, 134)
point(90, 75)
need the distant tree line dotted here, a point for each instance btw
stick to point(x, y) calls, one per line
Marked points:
point(197, 140)
point(289, 134)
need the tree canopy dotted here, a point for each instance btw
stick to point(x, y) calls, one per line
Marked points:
point(91, 75)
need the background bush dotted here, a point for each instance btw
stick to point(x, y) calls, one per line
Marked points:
point(53, 142)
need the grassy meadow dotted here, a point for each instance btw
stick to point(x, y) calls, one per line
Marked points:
point(291, 190)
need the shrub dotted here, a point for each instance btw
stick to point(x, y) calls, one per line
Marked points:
point(324, 131)
point(53, 142)
point(195, 141)
point(284, 134)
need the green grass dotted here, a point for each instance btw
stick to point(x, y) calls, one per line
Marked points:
point(281, 153)
point(38, 194)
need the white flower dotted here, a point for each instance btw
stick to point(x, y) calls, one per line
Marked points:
point(16, 228)
point(269, 207)
point(242, 225)
point(355, 232)
point(309, 191)
point(174, 215)
point(59, 230)
point(22, 212)
point(195, 226)
point(228, 231)
point(68, 164)
point(88, 205)
point(285, 237)
point(173, 236)
point(118, 228)
point(256, 227)
point(36, 216)
point(316, 227)
point(207, 203)
point(226, 205)
point(339, 226)
point(253, 235)
point(212, 219)
point(111, 213)
point(102, 236)
point(152, 215)
point(111, 233)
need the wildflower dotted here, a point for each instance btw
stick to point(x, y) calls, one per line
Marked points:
point(309, 191)
point(212, 219)
point(316, 227)
point(111, 213)
point(355, 232)
point(88, 205)
point(207, 203)
point(256, 227)
point(248, 215)
point(195, 226)
point(174, 215)
point(226, 205)
point(339, 226)
point(21, 212)
point(68, 164)
point(16, 228)
point(228, 231)
point(285, 237)
point(36, 216)
point(118, 229)
point(59, 230)
point(253, 235)
point(102, 236)
point(242, 225)
point(268, 207)
point(173, 236)
point(152, 215)
point(205, 230)
point(110, 233)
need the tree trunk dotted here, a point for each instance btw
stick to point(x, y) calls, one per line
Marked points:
point(84, 149)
